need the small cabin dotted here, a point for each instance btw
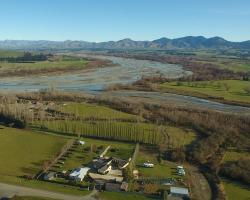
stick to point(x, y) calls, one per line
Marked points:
point(49, 176)
point(178, 192)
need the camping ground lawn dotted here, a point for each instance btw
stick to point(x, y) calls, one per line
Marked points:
point(23, 152)
point(215, 89)
point(122, 196)
point(165, 169)
point(30, 198)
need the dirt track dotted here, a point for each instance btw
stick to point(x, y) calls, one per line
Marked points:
point(200, 188)
point(7, 190)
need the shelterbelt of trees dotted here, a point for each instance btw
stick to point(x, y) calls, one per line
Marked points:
point(27, 57)
point(12, 114)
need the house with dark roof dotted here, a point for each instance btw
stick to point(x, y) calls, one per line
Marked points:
point(105, 169)
point(99, 163)
point(120, 163)
point(49, 176)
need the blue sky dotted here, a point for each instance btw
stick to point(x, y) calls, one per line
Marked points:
point(104, 20)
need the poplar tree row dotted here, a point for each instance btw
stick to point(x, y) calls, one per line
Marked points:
point(108, 130)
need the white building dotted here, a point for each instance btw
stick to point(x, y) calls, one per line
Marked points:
point(79, 173)
point(179, 192)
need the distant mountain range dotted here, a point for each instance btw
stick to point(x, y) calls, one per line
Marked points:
point(189, 42)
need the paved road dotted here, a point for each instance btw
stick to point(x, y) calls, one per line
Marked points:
point(7, 190)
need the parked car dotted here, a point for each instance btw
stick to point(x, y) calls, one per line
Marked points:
point(148, 164)
point(180, 170)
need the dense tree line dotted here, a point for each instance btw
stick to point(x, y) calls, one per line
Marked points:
point(237, 170)
point(27, 57)
point(106, 130)
point(14, 115)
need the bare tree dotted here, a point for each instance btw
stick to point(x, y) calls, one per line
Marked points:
point(247, 90)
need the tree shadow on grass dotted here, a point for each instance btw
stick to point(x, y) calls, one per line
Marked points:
point(29, 170)
point(33, 169)
point(240, 94)
point(237, 184)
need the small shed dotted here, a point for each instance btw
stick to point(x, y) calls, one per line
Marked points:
point(49, 176)
point(179, 192)
point(79, 173)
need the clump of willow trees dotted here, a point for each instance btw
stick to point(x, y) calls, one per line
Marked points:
point(14, 114)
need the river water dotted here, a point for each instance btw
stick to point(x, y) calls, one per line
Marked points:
point(126, 71)
point(180, 100)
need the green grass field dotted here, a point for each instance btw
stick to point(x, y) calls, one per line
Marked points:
point(234, 155)
point(214, 89)
point(165, 169)
point(87, 110)
point(30, 198)
point(23, 152)
point(236, 191)
point(5, 53)
point(122, 196)
point(37, 184)
point(236, 65)
point(42, 65)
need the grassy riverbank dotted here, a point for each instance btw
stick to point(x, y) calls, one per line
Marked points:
point(235, 190)
point(53, 64)
point(11, 66)
point(228, 91)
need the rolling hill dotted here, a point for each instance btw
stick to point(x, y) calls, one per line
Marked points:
point(189, 42)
